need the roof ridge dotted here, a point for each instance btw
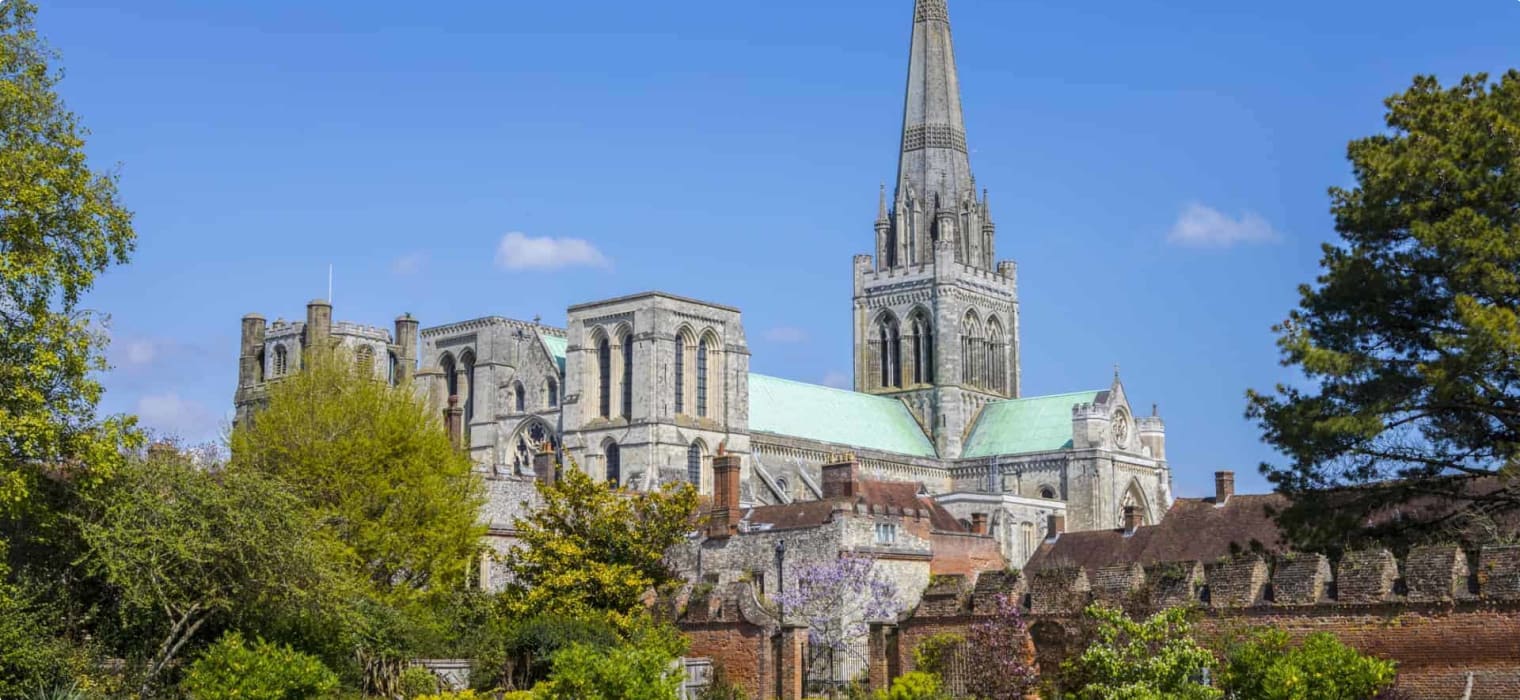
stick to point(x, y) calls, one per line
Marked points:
point(1051, 396)
point(826, 387)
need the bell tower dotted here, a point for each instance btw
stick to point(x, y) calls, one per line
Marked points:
point(936, 315)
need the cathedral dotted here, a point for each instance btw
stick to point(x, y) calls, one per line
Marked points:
point(650, 388)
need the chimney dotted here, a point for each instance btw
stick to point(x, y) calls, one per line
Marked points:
point(978, 523)
point(841, 476)
point(1132, 519)
point(1057, 526)
point(454, 422)
point(544, 468)
point(723, 521)
point(1224, 487)
point(250, 363)
point(406, 345)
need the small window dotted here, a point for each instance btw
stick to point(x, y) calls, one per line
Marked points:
point(886, 534)
point(783, 486)
point(614, 466)
point(364, 361)
point(281, 360)
point(1047, 493)
point(521, 398)
point(553, 393)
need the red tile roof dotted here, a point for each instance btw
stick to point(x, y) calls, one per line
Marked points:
point(1193, 530)
point(873, 497)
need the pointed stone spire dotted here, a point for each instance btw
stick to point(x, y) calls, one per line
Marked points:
point(881, 207)
point(934, 160)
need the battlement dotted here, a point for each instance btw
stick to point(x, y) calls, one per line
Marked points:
point(1437, 574)
point(359, 330)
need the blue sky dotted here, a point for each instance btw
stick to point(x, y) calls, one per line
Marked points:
point(1157, 169)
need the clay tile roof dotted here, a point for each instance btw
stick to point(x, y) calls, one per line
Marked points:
point(1193, 530)
point(874, 497)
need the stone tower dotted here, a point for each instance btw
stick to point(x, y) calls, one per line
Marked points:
point(936, 315)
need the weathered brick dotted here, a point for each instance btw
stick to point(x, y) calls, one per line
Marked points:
point(1301, 580)
point(1366, 576)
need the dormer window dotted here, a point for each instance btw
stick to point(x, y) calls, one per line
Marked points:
point(886, 534)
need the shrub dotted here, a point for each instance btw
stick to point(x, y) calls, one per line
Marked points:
point(935, 653)
point(231, 669)
point(720, 688)
point(637, 670)
point(457, 695)
point(1266, 666)
point(1140, 660)
point(417, 682)
point(914, 686)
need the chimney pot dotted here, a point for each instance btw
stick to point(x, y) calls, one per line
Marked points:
point(1224, 487)
point(978, 523)
point(1132, 519)
point(841, 477)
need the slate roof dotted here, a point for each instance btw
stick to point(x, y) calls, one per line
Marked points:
point(1019, 426)
point(835, 416)
point(880, 497)
point(1194, 529)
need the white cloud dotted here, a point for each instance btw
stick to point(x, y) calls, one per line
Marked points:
point(1204, 227)
point(138, 353)
point(409, 264)
point(170, 414)
point(838, 380)
point(518, 251)
point(786, 334)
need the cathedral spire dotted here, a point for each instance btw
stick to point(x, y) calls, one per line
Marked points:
point(934, 163)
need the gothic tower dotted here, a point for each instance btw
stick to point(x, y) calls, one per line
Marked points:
point(936, 316)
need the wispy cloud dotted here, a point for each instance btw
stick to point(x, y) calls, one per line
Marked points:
point(786, 334)
point(173, 415)
point(518, 251)
point(136, 353)
point(1201, 226)
point(838, 380)
point(409, 264)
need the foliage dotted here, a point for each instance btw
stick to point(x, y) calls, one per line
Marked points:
point(231, 669)
point(1265, 665)
point(916, 685)
point(719, 687)
point(61, 225)
point(1410, 337)
point(452, 695)
point(180, 544)
point(640, 669)
point(837, 600)
point(1129, 660)
point(592, 550)
point(522, 648)
point(937, 652)
point(998, 653)
point(34, 651)
point(377, 469)
point(417, 681)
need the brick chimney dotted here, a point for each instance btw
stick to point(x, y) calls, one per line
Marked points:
point(453, 421)
point(978, 523)
point(723, 521)
point(1132, 519)
point(544, 468)
point(1057, 526)
point(841, 476)
point(1224, 487)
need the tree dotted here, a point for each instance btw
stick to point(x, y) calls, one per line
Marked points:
point(591, 550)
point(1154, 659)
point(1410, 337)
point(640, 669)
point(61, 225)
point(1265, 665)
point(998, 653)
point(838, 599)
point(181, 545)
point(377, 470)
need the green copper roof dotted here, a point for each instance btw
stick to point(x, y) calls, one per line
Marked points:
point(556, 346)
point(847, 418)
point(1018, 426)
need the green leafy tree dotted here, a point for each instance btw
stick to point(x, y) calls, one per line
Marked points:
point(377, 469)
point(640, 669)
point(1410, 337)
point(35, 652)
point(917, 685)
point(231, 669)
point(181, 545)
point(61, 225)
point(1153, 659)
point(591, 550)
point(1267, 666)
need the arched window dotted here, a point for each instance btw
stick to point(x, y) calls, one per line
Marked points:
point(784, 487)
point(364, 361)
point(258, 371)
point(450, 375)
point(520, 397)
point(614, 465)
point(703, 351)
point(996, 365)
point(534, 436)
point(1026, 531)
point(392, 369)
point(922, 348)
point(468, 360)
point(694, 465)
point(973, 350)
point(680, 364)
point(552, 391)
point(627, 403)
point(888, 352)
point(281, 360)
point(1047, 493)
point(604, 376)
